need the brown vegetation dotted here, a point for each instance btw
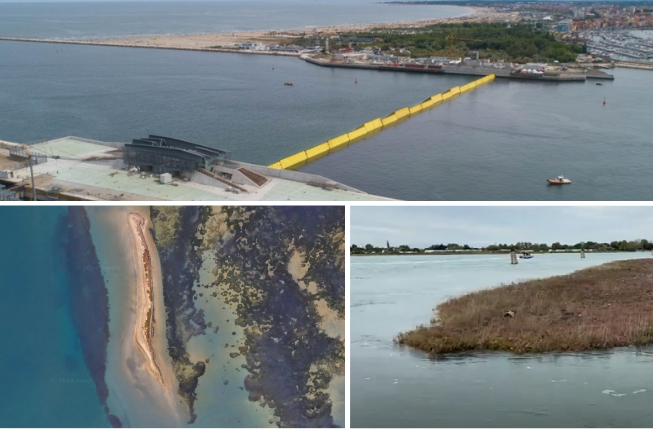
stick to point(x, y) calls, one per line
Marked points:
point(607, 306)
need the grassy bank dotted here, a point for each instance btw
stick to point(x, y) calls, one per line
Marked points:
point(607, 306)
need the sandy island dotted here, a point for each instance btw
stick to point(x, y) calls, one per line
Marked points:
point(148, 327)
point(144, 296)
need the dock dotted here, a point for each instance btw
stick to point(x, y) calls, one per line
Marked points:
point(504, 72)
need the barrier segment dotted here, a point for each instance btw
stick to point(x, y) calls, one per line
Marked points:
point(338, 142)
point(403, 112)
point(356, 134)
point(304, 157)
point(389, 120)
point(318, 151)
point(415, 109)
point(294, 161)
point(373, 125)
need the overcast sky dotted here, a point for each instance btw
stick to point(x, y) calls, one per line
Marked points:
point(481, 226)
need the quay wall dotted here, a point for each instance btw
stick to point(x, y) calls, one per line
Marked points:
point(372, 127)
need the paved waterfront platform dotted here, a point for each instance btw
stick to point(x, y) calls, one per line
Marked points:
point(89, 170)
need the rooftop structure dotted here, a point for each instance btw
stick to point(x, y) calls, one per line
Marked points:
point(159, 154)
point(83, 169)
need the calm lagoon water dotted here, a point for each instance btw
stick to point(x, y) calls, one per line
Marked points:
point(503, 140)
point(229, 101)
point(393, 386)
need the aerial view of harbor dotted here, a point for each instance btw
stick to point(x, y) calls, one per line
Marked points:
point(477, 317)
point(173, 316)
point(350, 101)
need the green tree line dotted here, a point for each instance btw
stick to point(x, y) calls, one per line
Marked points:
point(513, 42)
point(622, 245)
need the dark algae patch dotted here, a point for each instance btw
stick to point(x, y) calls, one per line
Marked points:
point(174, 233)
point(89, 300)
point(291, 359)
point(607, 306)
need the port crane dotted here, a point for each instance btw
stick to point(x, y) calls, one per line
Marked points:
point(451, 38)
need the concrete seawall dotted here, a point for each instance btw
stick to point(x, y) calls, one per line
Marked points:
point(127, 45)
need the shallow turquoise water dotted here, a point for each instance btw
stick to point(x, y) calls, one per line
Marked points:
point(42, 371)
point(399, 387)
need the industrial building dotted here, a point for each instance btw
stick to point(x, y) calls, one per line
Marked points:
point(159, 154)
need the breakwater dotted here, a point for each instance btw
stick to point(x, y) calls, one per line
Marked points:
point(372, 127)
point(134, 45)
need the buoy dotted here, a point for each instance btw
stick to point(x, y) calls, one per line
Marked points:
point(603, 100)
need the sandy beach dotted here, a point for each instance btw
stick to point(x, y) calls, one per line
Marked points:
point(227, 42)
point(231, 40)
point(141, 381)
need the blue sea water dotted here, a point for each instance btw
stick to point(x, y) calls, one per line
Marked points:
point(44, 380)
point(91, 20)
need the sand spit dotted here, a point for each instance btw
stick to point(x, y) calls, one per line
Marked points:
point(144, 295)
point(139, 374)
point(227, 42)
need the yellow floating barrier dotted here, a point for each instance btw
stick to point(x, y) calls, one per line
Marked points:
point(357, 134)
point(427, 104)
point(372, 127)
point(403, 112)
point(415, 109)
point(338, 142)
point(318, 151)
point(388, 120)
point(294, 161)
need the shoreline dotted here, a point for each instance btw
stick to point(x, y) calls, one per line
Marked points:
point(160, 375)
point(129, 377)
point(203, 41)
point(144, 295)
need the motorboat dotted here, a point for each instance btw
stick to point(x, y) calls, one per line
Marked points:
point(560, 180)
point(598, 83)
point(288, 84)
point(526, 255)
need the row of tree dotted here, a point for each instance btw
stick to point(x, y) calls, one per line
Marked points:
point(511, 42)
point(617, 245)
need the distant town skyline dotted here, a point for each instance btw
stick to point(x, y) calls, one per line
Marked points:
point(479, 226)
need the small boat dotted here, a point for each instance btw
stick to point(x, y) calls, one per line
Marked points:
point(598, 83)
point(526, 255)
point(288, 83)
point(560, 180)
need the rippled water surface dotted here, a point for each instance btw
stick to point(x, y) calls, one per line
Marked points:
point(393, 386)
